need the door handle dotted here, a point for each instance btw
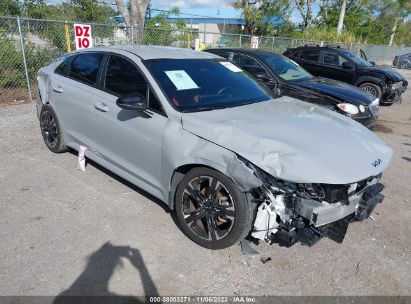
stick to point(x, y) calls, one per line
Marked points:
point(58, 89)
point(101, 106)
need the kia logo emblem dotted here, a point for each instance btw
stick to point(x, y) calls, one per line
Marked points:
point(376, 163)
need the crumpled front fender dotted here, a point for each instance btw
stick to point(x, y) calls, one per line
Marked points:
point(184, 149)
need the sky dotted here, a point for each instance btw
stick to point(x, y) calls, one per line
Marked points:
point(211, 8)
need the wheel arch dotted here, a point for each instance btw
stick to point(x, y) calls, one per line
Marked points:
point(178, 175)
point(241, 175)
point(364, 79)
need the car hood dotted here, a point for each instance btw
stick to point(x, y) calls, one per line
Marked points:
point(388, 72)
point(294, 140)
point(337, 89)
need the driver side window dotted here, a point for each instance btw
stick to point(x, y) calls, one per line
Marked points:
point(333, 58)
point(123, 77)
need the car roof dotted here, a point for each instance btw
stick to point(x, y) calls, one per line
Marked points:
point(253, 52)
point(146, 52)
point(328, 47)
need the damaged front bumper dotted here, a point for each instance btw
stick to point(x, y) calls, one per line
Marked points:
point(292, 213)
point(394, 93)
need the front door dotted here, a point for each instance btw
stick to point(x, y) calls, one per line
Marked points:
point(333, 67)
point(130, 140)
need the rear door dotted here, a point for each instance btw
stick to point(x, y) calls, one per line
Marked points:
point(130, 140)
point(72, 97)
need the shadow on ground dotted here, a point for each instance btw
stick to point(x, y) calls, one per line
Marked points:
point(140, 191)
point(92, 284)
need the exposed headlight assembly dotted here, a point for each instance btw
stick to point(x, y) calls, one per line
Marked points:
point(349, 108)
point(396, 85)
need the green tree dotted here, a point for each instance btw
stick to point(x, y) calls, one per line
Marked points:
point(91, 10)
point(259, 14)
point(37, 9)
point(10, 8)
point(165, 34)
point(403, 35)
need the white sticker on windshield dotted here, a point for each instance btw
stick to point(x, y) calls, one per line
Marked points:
point(231, 66)
point(181, 80)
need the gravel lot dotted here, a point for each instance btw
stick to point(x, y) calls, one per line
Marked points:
point(91, 233)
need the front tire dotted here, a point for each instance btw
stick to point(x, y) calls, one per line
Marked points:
point(50, 130)
point(371, 88)
point(211, 210)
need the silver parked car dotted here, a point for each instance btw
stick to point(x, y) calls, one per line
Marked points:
point(198, 133)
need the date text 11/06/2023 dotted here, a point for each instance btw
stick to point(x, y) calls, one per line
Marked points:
point(202, 299)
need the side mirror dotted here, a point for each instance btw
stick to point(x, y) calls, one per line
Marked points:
point(135, 101)
point(347, 65)
point(372, 62)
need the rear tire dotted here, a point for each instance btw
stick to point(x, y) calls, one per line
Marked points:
point(211, 210)
point(50, 130)
point(371, 88)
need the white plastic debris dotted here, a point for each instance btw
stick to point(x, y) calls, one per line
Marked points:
point(265, 222)
point(82, 158)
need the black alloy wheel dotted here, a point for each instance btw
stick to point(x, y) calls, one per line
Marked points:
point(372, 88)
point(50, 130)
point(211, 209)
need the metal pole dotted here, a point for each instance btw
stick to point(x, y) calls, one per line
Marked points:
point(24, 58)
point(132, 34)
point(240, 40)
point(205, 30)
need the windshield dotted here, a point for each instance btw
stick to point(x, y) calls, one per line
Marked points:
point(356, 59)
point(286, 68)
point(205, 84)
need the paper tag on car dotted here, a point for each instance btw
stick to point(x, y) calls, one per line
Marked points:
point(231, 66)
point(181, 80)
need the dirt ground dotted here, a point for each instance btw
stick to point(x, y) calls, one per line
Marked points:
point(63, 231)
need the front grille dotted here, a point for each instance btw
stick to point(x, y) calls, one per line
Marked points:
point(374, 107)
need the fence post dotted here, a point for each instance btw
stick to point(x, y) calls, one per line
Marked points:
point(272, 45)
point(24, 58)
point(132, 34)
point(240, 39)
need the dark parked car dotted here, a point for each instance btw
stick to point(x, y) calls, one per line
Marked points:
point(402, 61)
point(341, 64)
point(287, 78)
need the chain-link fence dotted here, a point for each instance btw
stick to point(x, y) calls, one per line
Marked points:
point(28, 44)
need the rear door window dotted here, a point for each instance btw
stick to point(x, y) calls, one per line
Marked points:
point(63, 67)
point(85, 68)
point(310, 55)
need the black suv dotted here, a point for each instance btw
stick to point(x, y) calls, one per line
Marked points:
point(341, 64)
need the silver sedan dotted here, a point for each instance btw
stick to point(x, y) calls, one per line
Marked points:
point(198, 133)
